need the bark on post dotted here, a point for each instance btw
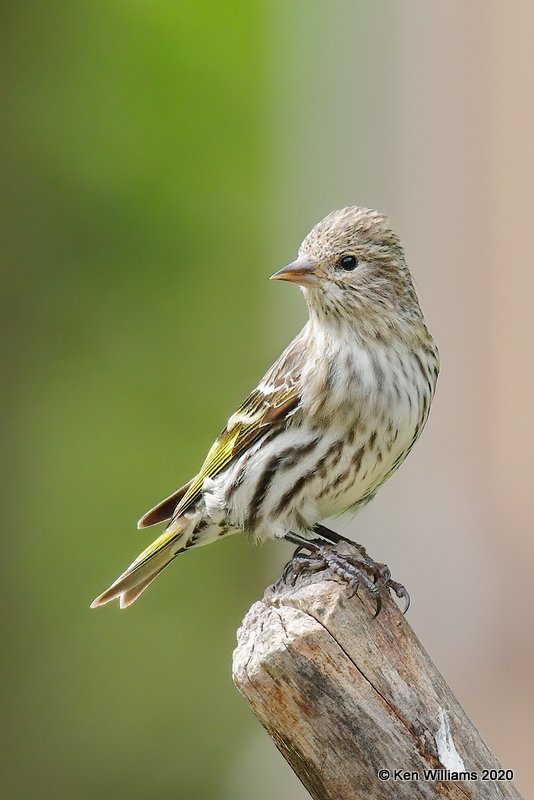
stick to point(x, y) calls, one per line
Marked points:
point(344, 694)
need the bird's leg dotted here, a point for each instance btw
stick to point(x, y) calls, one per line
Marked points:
point(353, 569)
point(300, 561)
point(322, 556)
point(381, 571)
point(336, 538)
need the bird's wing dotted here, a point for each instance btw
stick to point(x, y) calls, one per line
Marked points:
point(164, 509)
point(270, 404)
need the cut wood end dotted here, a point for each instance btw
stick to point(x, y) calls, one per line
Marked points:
point(266, 630)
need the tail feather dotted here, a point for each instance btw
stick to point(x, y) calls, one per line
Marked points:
point(130, 595)
point(144, 569)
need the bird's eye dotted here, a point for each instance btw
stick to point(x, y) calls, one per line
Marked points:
point(348, 263)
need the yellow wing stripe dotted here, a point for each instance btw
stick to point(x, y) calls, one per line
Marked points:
point(251, 420)
point(219, 455)
point(158, 544)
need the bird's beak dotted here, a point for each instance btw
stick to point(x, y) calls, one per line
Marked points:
point(301, 271)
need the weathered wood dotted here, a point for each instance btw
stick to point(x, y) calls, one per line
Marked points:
point(345, 694)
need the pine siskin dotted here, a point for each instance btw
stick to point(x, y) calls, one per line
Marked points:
point(331, 420)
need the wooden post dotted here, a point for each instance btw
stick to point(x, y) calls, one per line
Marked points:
point(345, 694)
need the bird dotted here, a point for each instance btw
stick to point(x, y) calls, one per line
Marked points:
point(328, 424)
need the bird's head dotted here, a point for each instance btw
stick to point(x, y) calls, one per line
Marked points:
point(351, 266)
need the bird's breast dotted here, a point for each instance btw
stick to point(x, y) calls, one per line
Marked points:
point(359, 415)
point(376, 401)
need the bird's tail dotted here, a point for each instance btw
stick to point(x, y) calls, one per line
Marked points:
point(145, 568)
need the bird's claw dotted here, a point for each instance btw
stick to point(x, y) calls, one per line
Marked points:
point(355, 570)
point(401, 592)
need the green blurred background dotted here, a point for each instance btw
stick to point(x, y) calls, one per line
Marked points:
point(134, 193)
point(159, 160)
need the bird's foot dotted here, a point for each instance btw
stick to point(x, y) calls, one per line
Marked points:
point(355, 569)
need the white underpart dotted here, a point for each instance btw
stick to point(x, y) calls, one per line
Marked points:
point(366, 395)
point(447, 752)
point(365, 401)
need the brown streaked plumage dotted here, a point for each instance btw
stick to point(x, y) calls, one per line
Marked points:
point(331, 420)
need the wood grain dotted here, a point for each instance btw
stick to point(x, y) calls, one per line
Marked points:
point(344, 694)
